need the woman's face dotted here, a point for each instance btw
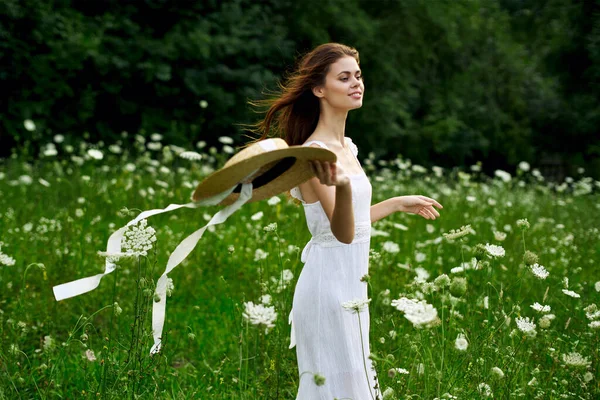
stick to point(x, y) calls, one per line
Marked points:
point(344, 87)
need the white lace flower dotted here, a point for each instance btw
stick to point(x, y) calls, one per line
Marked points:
point(259, 314)
point(571, 293)
point(499, 236)
point(190, 155)
point(539, 271)
point(497, 372)
point(419, 313)
point(225, 140)
point(265, 299)
point(457, 233)
point(575, 360)
point(526, 325)
point(273, 200)
point(597, 286)
point(505, 176)
point(29, 125)
point(594, 324)
point(356, 305)
point(138, 238)
point(390, 247)
point(541, 308)
point(260, 254)
point(485, 390)
point(95, 154)
point(494, 250)
point(48, 343)
point(89, 354)
point(257, 216)
point(461, 342)
point(6, 260)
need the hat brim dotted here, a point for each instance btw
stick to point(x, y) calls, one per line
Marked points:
point(292, 169)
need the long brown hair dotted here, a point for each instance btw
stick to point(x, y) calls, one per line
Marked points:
point(293, 114)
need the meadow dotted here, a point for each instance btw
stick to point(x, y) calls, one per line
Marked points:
point(497, 298)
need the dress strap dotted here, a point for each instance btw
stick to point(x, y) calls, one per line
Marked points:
point(317, 142)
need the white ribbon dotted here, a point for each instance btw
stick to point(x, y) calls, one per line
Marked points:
point(180, 253)
point(84, 285)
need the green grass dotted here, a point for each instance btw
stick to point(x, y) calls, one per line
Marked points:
point(210, 351)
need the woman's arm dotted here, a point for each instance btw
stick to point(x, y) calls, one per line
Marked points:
point(332, 188)
point(414, 204)
point(384, 208)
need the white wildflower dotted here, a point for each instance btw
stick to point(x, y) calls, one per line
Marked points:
point(273, 200)
point(138, 238)
point(457, 233)
point(419, 313)
point(539, 271)
point(257, 216)
point(260, 254)
point(48, 343)
point(6, 260)
point(25, 180)
point(499, 236)
point(259, 314)
point(190, 155)
point(356, 305)
point(461, 342)
point(29, 125)
point(541, 308)
point(390, 247)
point(265, 299)
point(225, 140)
point(485, 390)
point(575, 360)
point(570, 293)
point(272, 227)
point(89, 354)
point(95, 154)
point(505, 176)
point(526, 325)
point(494, 250)
point(497, 372)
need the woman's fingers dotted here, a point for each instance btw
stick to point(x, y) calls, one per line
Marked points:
point(432, 201)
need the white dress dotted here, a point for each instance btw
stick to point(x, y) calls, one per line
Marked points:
point(326, 335)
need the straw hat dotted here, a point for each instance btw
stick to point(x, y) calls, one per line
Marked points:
point(280, 168)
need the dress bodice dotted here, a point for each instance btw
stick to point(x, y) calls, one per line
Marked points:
point(316, 219)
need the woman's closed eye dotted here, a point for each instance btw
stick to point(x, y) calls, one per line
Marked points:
point(358, 77)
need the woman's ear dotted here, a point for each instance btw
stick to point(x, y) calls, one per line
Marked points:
point(318, 91)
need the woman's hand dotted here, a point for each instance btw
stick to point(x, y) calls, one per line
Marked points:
point(420, 205)
point(330, 174)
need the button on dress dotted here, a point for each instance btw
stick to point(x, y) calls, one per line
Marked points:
point(327, 337)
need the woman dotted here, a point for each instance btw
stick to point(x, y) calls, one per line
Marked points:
point(332, 342)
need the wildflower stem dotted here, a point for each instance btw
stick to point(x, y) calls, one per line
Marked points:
point(362, 348)
point(247, 359)
point(112, 315)
point(443, 341)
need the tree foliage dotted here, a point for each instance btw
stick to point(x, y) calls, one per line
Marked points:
point(447, 82)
